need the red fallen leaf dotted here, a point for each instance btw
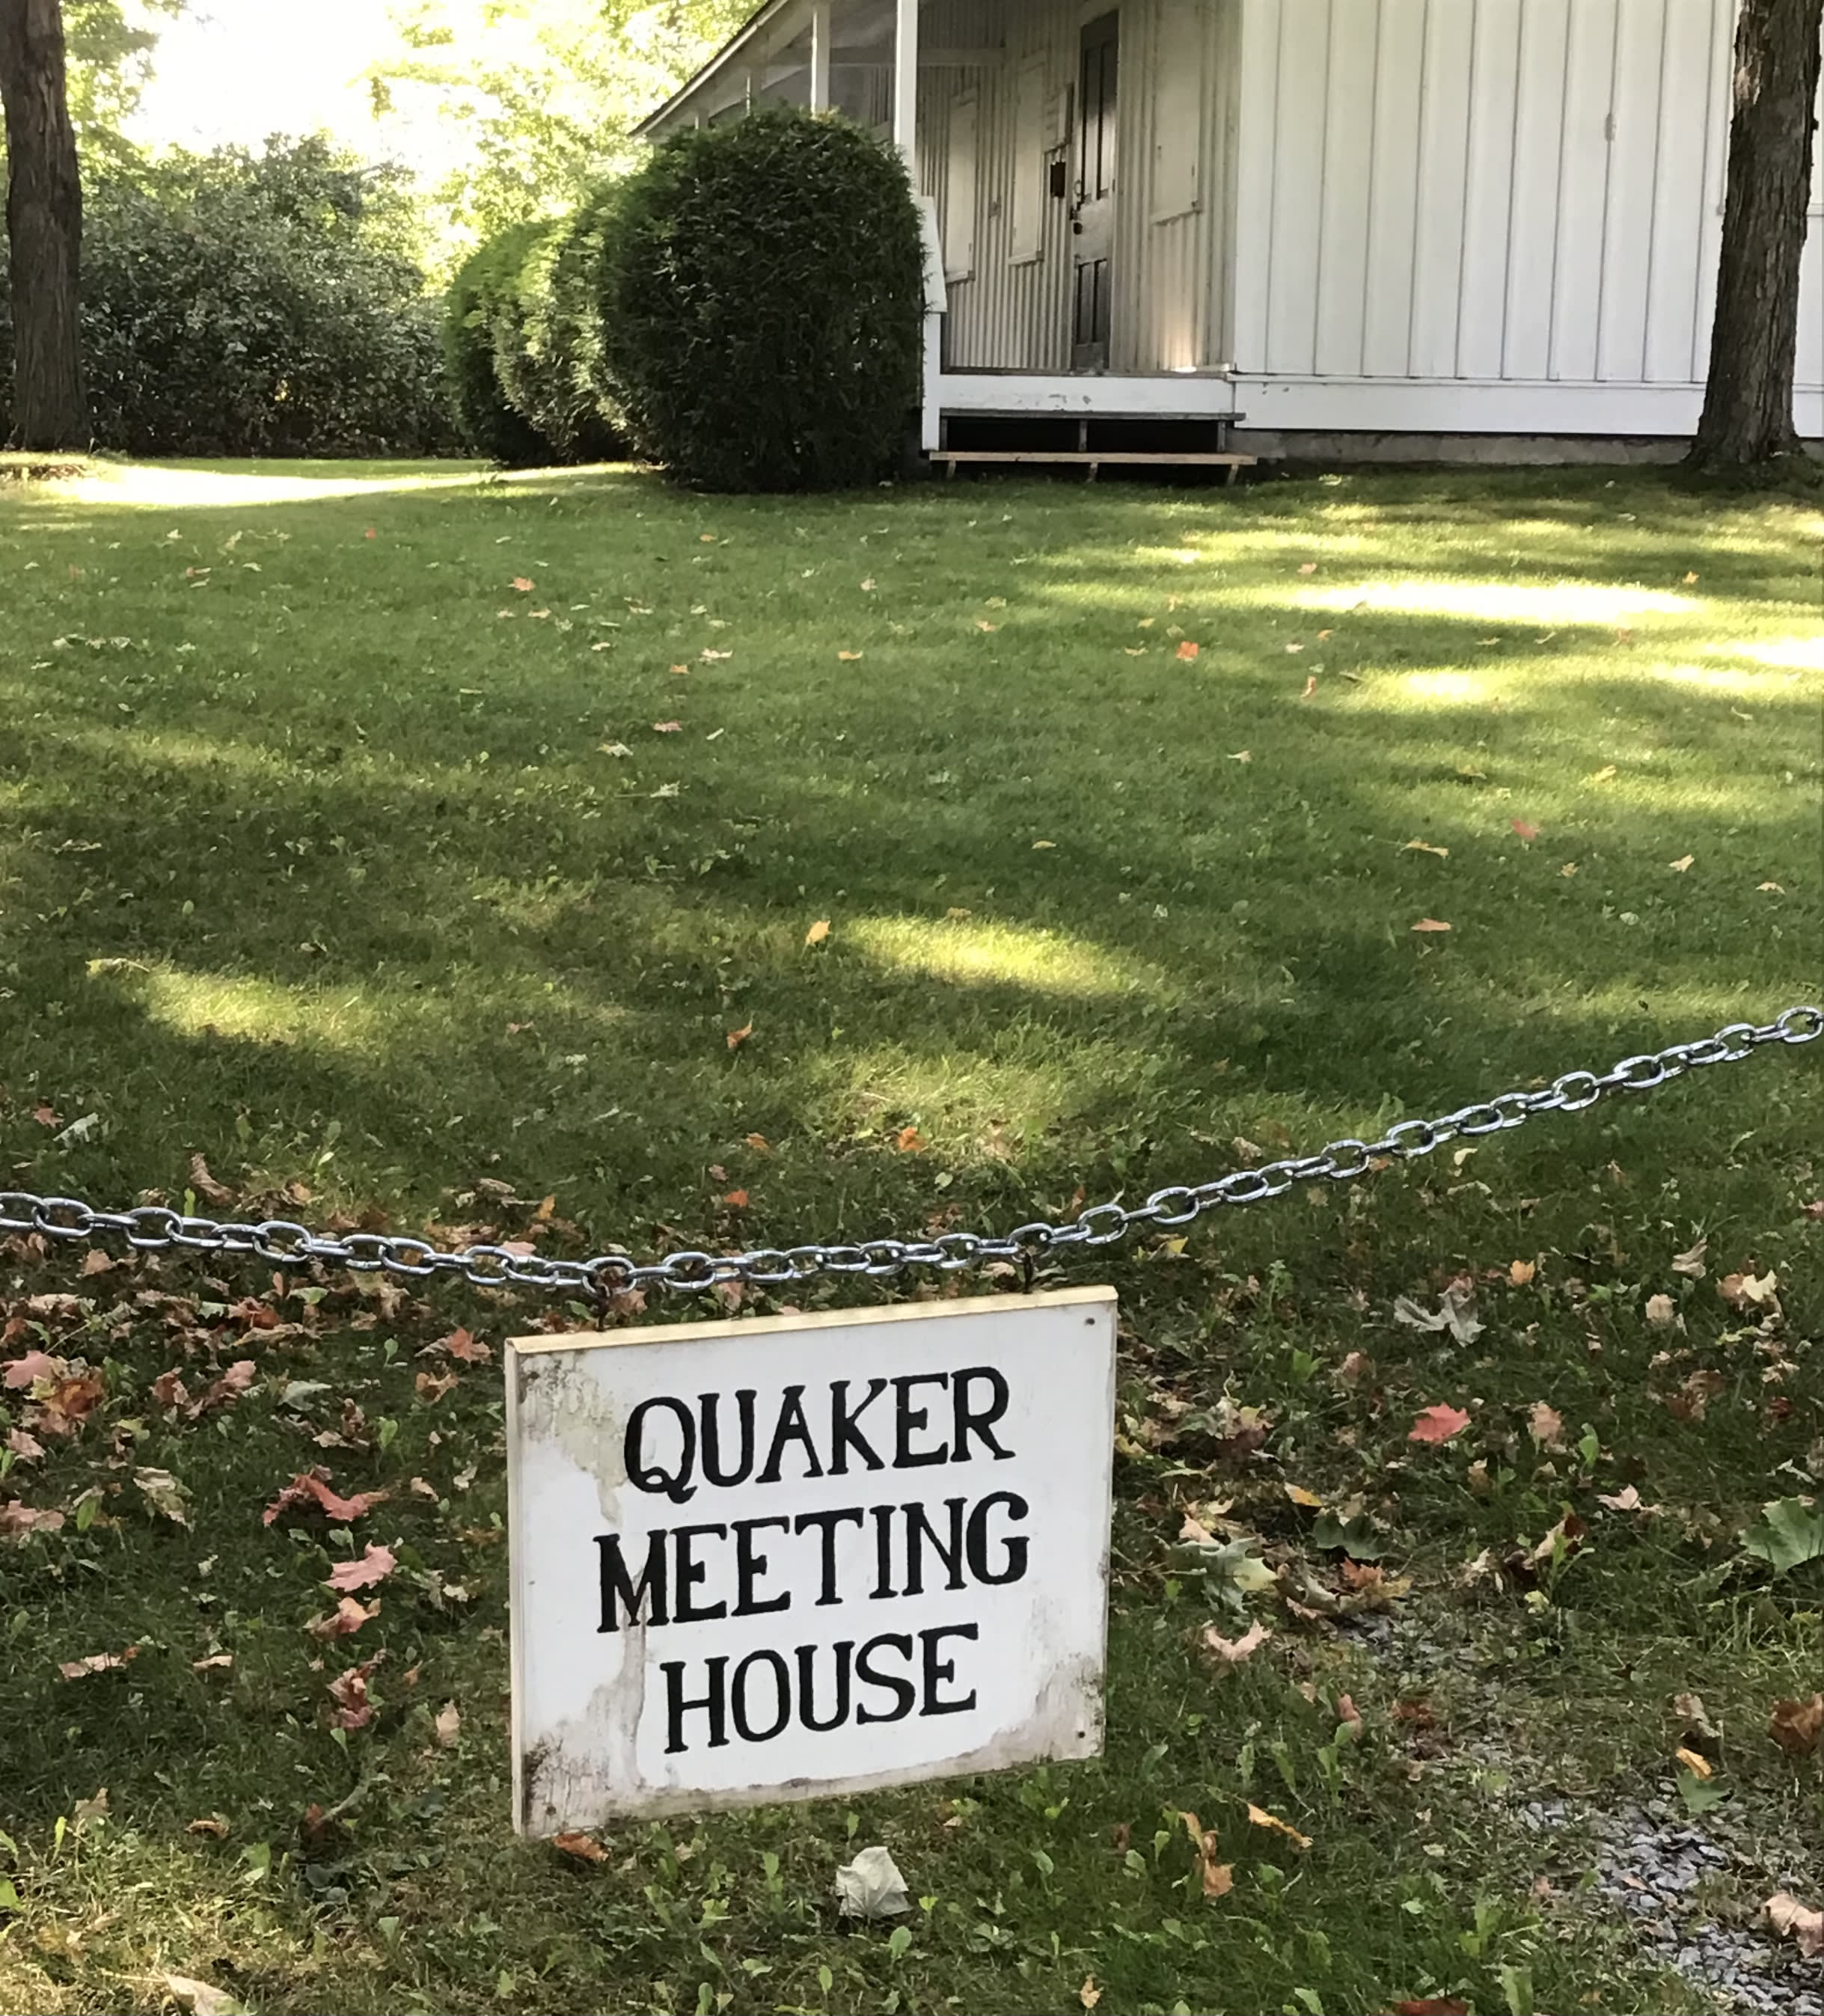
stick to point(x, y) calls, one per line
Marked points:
point(17, 1520)
point(738, 1037)
point(313, 1487)
point(46, 1117)
point(1432, 2005)
point(909, 1141)
point(344, 1620)
point(167, 1390)
point(736, 1200)
point(98, 1662)
point(27, 1449)
point(1187, 649)
point(460, 1343)
point(1528, 834)
point(1815, 1209)
point(430, 1390)
point(584, 1847)
point(34, 1366)
point(70, 1403)
point(234, 1382)
point(370, 534)
point(1438, 1425)
point(354, 1707)
point(668, 728)
point(374, 1566)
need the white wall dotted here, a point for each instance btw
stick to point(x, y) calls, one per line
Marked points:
point(1492, 192)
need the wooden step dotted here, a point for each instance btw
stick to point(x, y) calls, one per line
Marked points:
point(1092, 459)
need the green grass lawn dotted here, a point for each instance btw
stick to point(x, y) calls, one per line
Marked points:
point(410, 846)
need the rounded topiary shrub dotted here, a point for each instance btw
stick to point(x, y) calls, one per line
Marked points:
point(554, 375)
point(762, 291)
point(484, 321)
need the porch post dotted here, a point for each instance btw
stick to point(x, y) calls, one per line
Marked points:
point(820, 56)
point(906, 81)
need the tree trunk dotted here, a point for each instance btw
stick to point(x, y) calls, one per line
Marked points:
point(1748, 406)
point(44, 224)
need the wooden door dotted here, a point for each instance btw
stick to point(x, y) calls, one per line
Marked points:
point(1093, 208)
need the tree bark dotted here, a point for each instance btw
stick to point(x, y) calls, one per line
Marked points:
point(44, 225)
point(1748, 405)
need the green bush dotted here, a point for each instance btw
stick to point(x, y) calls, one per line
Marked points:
point(483, 324)
point(761, 298)
point(570, 397)
point(265, 305)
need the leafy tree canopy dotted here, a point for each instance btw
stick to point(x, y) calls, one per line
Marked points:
point(542, 94)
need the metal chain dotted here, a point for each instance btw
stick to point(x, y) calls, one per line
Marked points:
point(156, 1228)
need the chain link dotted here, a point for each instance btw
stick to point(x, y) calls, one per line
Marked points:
point(157, 1227)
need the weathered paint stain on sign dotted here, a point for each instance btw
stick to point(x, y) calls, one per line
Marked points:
point(800, 1555)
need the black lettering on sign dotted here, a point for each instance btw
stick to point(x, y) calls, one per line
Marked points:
point(793, 1427)
point(709, 1405)
point(675, 1483)
point(1013, 1562)
point(904, 1693)
point(844, 1435)
point(620, 1592)
point(944, 1669)
point(781, 1696)
point(907, 1420)
point(688, 1572)
point(807, 1709)
point(883, 1551)
point(826, 1523)
point(715, 1703)
point(967, 1419)
point(919, 1530)
point(749, 1567)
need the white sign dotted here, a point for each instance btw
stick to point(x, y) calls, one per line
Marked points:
point(806, 1554)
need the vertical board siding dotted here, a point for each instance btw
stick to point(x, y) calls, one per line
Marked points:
point(1520, 190)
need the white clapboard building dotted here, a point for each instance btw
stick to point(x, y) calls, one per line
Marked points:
point(1399, 222)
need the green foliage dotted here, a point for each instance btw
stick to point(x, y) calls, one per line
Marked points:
point(542, 94)
point(761, 302)
point(241, 304)
point(1788, 1533)
point(483, 324)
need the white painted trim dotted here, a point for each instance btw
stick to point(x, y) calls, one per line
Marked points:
point(820, 86)
point(906, 80)
point(1172, 395)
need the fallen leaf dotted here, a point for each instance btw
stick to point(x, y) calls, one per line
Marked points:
point(583, 1846)
point(1691, 1263)
point(16, 1520)
point(1233, 1651)
point(1527, 833)
point(1353, 1369)
point(1311, 688)
point(34, 1366)
point(1438, 1425)
point(1260, 1817)
point(1745, 1292)
point(1043, 846)
point(345, 1619)
point(216, 1662)
point(1425, 847)
point(164, 1494)
point(848, 658)
point(206, 1184)
point(1698, 1765)
point(1787, 1915)
point(738, 1037)
point(1768, 889)
point(1546, 1426)
point(1309, 1500)
point(1796, 1726)
point(735, 1200)
point(25, 1448)
point(448, 1725)
point(313, 1487)
point(374, 1565)
point(1626, 1499)
point(1432, 2005)
point(1661, 1310)
point(1346, 1711)
point(1455, 1312)
point(1520, 1273)
point(1187, 649)
point(519, 580)
point(1602, 775)
point(1309, 567)
point(1430, 924)
point(212, 1824)
point(668, 728)
point(1683, 863)
point(818, 932)
point(199, 1997)
point(981, 623)
point(355, 1706)
point(1240, 756)
point(98, 1662)
point(460, 1344)
point(909, 1141)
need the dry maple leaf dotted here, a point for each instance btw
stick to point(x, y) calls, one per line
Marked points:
point(519, 581)
point(164, 1494)
point(1233, 1651)
point(818, 932)
point(34, 1366)
point(98, 1662)
point(1088, 1995)
point(1626, 1499)
point(216, 1662)
point(374, 1565)
point(212, 1824)
point(448, 1725)
point(344, 1620)
point(582, 1847)
point(1425, 847)
point(1546, 1425)
point(1694, 1761)
point(1432, 2005)
point(1430, 924)
point(206, 1184)
point(69, 1403)
point(848, 658)
point(1187, 649)
point(1796, 1726)
point(668, 728)
point(1691, 1263)
point(1348, 1711)
point(1683, 863)
point(47, 1116)
point(1662, 1312)
point(1308, 566)
point(429, 1390)
point(460, 1343)
point(738, 1037)
point(1438, 1425)
point(24, 1448)
point(909, 1141)
point(1787, 1914)
point(1520, 1273)
point(735, 1200)
point(760, 1145)
point(1260, 1817)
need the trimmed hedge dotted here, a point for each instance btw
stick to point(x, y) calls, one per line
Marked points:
point(761, 292)
point(483, 323)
